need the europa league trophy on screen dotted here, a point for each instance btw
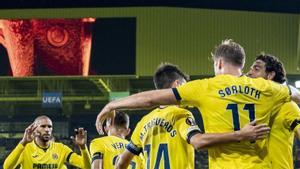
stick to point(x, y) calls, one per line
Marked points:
point(47, 46)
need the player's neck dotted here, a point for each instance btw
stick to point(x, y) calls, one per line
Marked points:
point(117, 134)
point(41, 143)
point(231, 70)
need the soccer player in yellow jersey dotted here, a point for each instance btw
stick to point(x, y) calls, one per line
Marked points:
point(286, 122)
point(105, 150)
point(37, 151)
point(168, 135)
point(227, 102)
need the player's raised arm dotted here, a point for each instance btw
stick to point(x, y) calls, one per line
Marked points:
point(16, 155)
point(250, 132)
point(83, 160)
point(124, 159)
point(97, 164)
point(146, 99)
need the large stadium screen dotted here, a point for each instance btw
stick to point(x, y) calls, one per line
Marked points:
point(68, 46)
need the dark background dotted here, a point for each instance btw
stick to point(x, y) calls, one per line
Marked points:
point(286, 6)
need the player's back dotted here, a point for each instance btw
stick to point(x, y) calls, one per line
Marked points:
point(163, 135)
point(108, 148)
point(228, 103)
point(282, 136)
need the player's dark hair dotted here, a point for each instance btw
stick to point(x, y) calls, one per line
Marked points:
point(231, 51)
point(166, 74)
point(272, 63)
point(121, 120)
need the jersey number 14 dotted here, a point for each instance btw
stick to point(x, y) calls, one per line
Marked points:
point(162, 152)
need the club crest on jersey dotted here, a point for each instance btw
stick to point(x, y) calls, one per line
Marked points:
point(190, 121)
point(54, 156)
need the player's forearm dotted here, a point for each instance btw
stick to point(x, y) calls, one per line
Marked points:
point(86, 157)
point(97, 164)
point(122, 165)
point(82, 161)
point(203, 141)
point(12, 159)
point(146, 99)
point(124, 159)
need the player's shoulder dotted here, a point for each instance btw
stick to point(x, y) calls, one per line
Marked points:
point(227, 80)
point(30, 146)
point(99, 140)
point(197, 82)
point(117, 139)
point(176, 110)
point(289, 106)
point(62, 147)
point(151, 114)
point(167, 111)
point(107, 140)
point(155, 113)
point(176, 113)
point(261, 82)
point(58, 145)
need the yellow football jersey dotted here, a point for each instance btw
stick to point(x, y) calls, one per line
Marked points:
point(227, 103)
point(54, 157)
point(282, 136)
point(108, 148)
point(163, 136)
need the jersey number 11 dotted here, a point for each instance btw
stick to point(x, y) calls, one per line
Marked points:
point(235, 113)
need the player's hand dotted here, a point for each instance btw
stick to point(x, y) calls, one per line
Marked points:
point(253, 132)
point(80, 138)
point(29, 134)
point(106, 113)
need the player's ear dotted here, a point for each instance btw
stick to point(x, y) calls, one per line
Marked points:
point(271, 75)
point(218, 63)
point(127, 132)
point(175, 83)
point(106, 128)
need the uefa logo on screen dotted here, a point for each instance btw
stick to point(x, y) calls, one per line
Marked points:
point(52, 100)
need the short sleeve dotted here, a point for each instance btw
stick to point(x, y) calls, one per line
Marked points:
point(291, 114)
point(189, 94)
point(68, 153)
point(135, 145)
point(281, 93)
point(97, 150)
point(187, 126)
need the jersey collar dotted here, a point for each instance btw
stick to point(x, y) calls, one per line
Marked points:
point(43, 148)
